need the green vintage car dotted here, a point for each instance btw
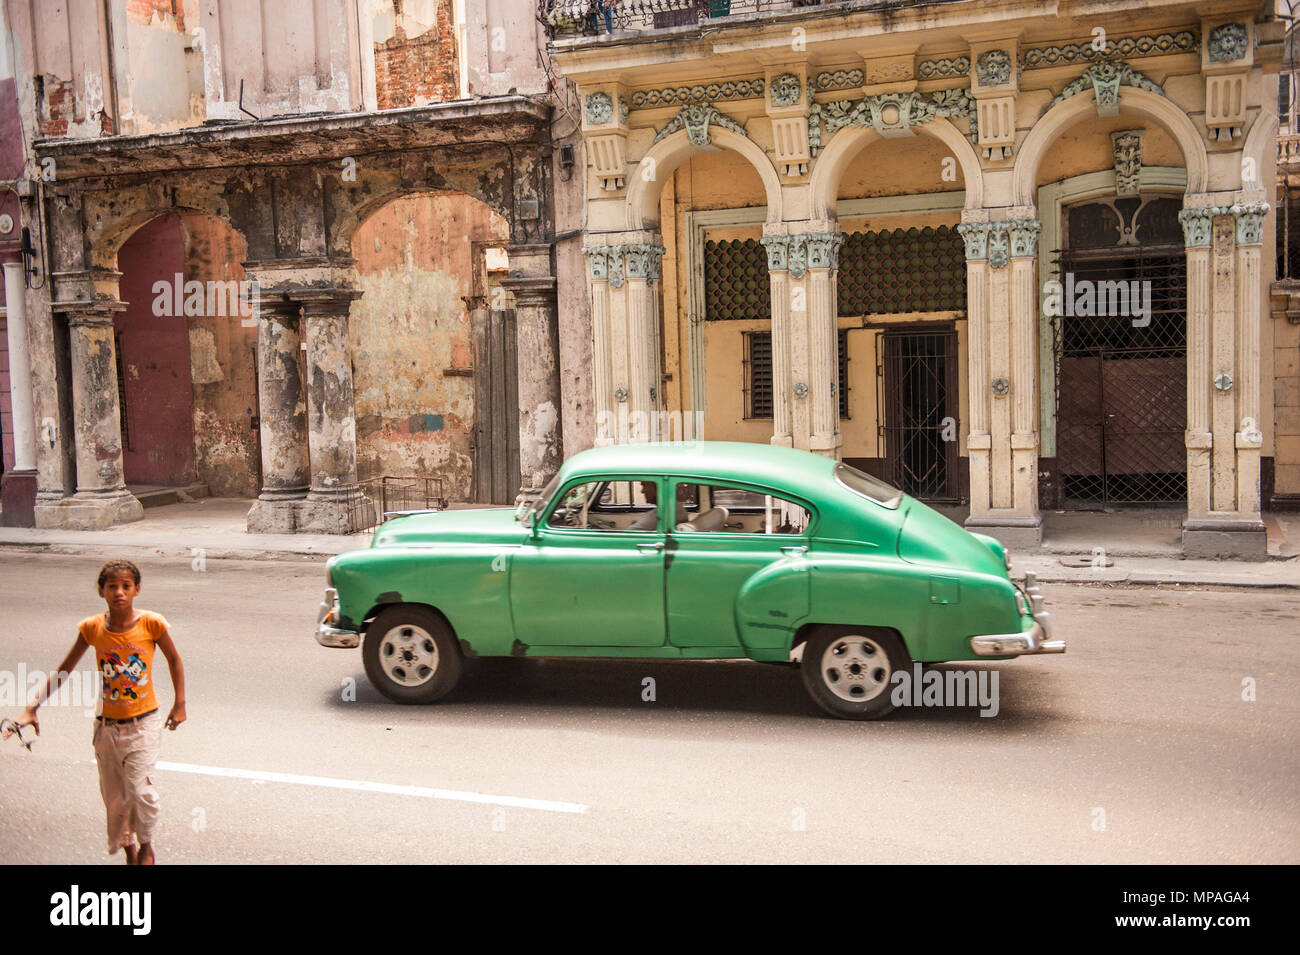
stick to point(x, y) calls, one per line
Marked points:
point(706, 550)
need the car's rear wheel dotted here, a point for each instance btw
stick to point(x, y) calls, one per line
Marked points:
point(411, 655)
point(848, 671)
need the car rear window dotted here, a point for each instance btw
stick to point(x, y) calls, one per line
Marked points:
point(872, 488)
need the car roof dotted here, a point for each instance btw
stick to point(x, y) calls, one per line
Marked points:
point(742, 461)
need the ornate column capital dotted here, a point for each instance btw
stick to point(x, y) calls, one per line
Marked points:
point(999, 245)
point(99, 312)
point(778, 252)
point(976, 237)
point(1196, 226)
point(1024, 237)
point(642, 260)
point(824, 250)
point(1250, 222)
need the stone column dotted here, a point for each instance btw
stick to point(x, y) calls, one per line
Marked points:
point(601, 357)
point(1249, 439)
point(823, 343)
point(1198, 438)
point(101, 499)
point(805, 340)
point(978, 440)
point(1002, 306)
point(1223, 379)
point(283, 412)
point(537, 356)
point(18, 491)
point(1024, 369)
point(623, 278)
point(778, 272)
point(331, 415)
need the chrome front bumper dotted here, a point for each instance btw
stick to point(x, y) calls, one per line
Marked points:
point(1038, 639)
point(328, 635)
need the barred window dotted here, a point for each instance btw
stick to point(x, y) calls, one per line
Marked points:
point(758, 374)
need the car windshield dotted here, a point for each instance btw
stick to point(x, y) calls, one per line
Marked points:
point(873, 489)
point(524, 512)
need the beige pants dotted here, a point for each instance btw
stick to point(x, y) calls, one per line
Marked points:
point(126, 754)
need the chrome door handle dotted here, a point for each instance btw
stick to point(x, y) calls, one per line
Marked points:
point(794, 551)
point(657, 545)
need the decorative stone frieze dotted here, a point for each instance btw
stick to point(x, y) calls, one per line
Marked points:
point(1185, 41)
point(1105, 79)
point(696, 119)
point(786, 89)
point(838, 80)
point(701, 93)
point(1127, 147)
point(1227, 42)
point(599, 108)
point(993, 67)
point(890, 114)
point(942, 68)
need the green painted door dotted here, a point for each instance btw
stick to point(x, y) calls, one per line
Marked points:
point(596, 588)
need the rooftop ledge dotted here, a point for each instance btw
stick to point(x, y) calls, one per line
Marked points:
point(301, 138)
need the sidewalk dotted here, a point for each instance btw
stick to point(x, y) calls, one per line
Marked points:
point(1141, 546)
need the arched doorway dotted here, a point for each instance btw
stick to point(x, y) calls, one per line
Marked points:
point(432, 339)
point(1119, 323)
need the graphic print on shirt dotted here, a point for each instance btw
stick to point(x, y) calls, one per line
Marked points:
point(122, 679)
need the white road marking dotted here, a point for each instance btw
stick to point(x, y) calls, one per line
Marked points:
point(328, 782)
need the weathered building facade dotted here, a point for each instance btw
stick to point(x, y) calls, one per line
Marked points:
point(284, 249)
point(1016, 255)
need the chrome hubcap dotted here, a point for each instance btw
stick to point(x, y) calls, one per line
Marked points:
point(856, 669)
point(408, 655)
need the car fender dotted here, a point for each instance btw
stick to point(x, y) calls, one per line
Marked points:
point(773, 603)
point(467, 583)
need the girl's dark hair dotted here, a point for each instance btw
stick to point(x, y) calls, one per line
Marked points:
point(112, 567)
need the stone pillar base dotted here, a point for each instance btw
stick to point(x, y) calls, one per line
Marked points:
point(89, 511)
point(1209, 538)
point(329, 512)
point(272, 517)
point(1014, 531)
point(18, 499)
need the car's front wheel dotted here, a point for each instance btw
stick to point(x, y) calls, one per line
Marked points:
point(849, 671)
point(411, 655)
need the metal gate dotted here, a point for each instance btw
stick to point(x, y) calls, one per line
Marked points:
point(1122, 380)
point(918, 375)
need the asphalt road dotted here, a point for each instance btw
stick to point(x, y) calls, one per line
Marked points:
point(1135, 746)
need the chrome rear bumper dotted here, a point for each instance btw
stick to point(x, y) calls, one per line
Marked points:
point(1037, 639)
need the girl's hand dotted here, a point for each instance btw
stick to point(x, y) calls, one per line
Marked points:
point(176, 717)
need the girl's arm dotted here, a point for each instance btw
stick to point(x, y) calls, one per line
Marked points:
point(52, 681)
point(168, 647)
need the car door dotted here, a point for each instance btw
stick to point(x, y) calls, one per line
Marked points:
point(708, 568)
point(588, 577)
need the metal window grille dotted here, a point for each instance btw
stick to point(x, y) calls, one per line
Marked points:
point(902, 270)
point(736, 283)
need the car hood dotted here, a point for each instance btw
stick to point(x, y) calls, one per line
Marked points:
point(491, 525)
point(927, 537)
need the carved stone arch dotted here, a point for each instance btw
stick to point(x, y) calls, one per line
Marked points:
point(845, 145)
point(1168, 115)
point(670, 152)
point(108, 241)
point(1259, 141)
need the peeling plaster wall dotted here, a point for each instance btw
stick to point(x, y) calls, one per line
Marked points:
point(415, 54)
point(409, 328)
point(222, 366)
point(502, 38)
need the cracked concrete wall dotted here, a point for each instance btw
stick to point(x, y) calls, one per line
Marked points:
point(411, 339)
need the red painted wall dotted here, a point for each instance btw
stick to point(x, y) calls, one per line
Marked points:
point(155, 360)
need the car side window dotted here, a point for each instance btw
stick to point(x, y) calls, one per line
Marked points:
point(607, 505)
point(720, 508)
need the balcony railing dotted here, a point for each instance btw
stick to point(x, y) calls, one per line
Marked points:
point(595, 17)
point(1288, 150)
